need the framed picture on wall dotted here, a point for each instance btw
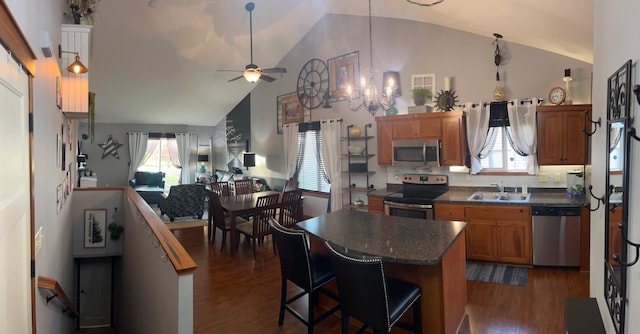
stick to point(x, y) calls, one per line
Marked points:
point(58, 93)
point(343, 71)
point(95, 225)
point(289, 110)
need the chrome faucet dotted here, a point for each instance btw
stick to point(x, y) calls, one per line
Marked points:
point(500, 186)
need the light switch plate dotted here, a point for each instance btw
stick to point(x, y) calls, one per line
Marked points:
point(542, 177)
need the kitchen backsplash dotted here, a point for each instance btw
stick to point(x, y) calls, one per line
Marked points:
point(556, 177)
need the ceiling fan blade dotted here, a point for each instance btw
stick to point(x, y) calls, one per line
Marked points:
point(267, 78)
point(236, 78)
point(274, 70)
point(230, 70)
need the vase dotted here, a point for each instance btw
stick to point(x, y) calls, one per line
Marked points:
point(355, 131)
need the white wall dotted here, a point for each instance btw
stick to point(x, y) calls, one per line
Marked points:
point(615, 42)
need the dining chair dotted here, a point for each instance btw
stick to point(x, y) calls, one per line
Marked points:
point(367, 294)
point(221, 188)
point(309, 271)
point(290, 211)
point(217, 219)
point(242, 187)
point(258, 225)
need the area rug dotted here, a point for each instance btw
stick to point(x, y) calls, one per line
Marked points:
point(496, 273)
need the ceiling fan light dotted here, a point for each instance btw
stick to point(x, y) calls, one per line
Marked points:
point(251, 74)
point(77, 67)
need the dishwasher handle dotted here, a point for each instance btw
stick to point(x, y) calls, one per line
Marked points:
point(555, 211)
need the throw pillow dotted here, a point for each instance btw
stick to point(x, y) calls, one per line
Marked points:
point(141, 178)
point(154, 179)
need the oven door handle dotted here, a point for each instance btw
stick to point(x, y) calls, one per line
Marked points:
point(408, 206)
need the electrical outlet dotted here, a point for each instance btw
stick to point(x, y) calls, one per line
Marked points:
point(557, 178)
point(467, 177)
point(542, 177)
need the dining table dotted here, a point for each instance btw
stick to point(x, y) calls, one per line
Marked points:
point(242, 206)
point(429, 253)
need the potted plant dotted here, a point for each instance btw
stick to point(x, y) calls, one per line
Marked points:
point(420, 95)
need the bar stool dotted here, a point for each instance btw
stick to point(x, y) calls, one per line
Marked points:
point(368, 295)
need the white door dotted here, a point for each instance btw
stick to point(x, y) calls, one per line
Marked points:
point(15, 234)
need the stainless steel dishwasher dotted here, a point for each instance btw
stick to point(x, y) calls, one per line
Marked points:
point(556, 236)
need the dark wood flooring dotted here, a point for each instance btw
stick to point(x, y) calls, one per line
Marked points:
point(240, 295)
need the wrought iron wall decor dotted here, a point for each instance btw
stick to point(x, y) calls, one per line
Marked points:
point(617, 194)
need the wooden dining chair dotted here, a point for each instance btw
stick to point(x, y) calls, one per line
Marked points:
point(242, 187)
point(290, 211)
point(221, 188)
point(258, 225)
point(217, 219)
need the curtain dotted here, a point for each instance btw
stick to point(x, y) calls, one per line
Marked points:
point(330, 151)
point(522, 132)
point(291, 149)
point(478, 133)
point(184, 142)
point(137, 151)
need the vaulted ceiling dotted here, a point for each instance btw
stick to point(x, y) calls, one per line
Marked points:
point(156, 61)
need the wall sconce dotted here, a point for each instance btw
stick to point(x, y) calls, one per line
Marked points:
point(202, 158)
point(76, 67)
point(249, 160)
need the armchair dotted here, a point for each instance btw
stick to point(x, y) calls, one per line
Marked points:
point(184, 200)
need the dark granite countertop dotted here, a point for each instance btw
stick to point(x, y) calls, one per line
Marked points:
point(539, 196)
point(395, 239)
point(546, 198)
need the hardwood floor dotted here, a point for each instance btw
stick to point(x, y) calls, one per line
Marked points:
point(240, 295)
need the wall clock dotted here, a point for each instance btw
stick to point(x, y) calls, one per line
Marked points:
point(446, 100)
point(313, 83)
point(557, 95)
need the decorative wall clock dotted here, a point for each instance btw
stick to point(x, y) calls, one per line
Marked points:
point(313, 83)
point(446, 100)
point(557, 95)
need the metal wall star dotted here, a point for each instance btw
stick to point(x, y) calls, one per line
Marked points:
point(110, 147)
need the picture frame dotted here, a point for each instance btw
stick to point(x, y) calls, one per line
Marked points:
point(95, 228)
point(58, 94)
point(343, 71)
point(290, 110)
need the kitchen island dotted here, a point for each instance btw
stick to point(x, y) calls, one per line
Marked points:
point(428, 253)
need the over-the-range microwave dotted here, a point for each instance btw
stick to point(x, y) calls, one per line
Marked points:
point(416, 153)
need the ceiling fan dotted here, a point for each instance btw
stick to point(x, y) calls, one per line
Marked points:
point(252, 72)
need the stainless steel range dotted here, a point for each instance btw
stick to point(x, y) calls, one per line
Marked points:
point(417, 195)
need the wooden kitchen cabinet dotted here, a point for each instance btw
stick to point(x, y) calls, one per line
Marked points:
point(499, 233)
point(448, 127)
point(376, 204)
point(453, 150)
point(446, 211)
point(561, 139)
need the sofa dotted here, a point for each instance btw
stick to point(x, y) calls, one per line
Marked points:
point(183, 200)
point(149, 185)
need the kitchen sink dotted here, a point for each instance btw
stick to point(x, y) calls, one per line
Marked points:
point(481, 196)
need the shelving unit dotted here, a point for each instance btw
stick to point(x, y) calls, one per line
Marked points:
point(358, 177)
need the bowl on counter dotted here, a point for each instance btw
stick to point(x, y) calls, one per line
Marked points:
point(356, 150)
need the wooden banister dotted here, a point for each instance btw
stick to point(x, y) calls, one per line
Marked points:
point(56, 290)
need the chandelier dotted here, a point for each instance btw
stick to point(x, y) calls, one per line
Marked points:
point(367, 89)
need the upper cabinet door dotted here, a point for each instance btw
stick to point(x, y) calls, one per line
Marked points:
point(561, 134)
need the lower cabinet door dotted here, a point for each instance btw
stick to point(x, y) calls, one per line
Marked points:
point(481, 240)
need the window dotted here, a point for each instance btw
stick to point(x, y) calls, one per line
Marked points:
point(501, 156)
point(160, 154)
point(311, 175)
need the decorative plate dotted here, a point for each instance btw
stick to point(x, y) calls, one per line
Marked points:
point(446, 100)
